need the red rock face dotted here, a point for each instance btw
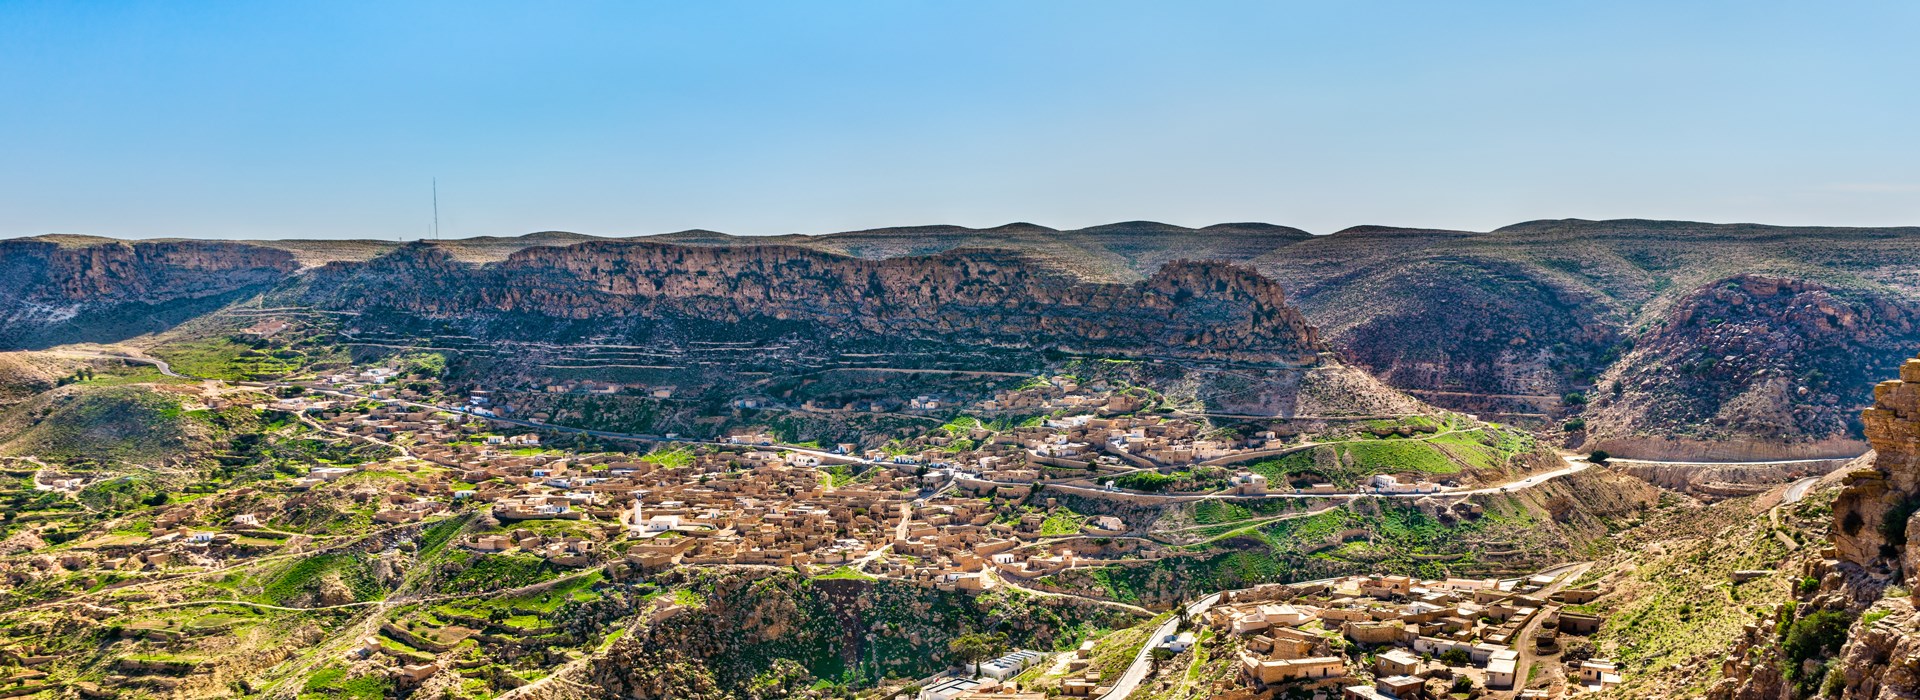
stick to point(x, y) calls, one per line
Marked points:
point(47, 289)
point(1187, 309)
point(136, 271)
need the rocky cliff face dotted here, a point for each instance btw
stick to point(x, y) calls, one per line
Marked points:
point(976, 297)
point(1874, 514)
point(50, 292)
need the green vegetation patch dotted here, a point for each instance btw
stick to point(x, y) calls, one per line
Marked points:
point(1063, 522)
point(332, 683)
point(306, 578)
point(669, 457)
point(466, 571)
point(102, 423)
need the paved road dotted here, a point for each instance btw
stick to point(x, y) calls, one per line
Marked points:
point(1799, 490)
point(1142, 662)
point(1717, 463)
point(1575, 465)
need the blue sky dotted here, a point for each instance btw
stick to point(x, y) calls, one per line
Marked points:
point(273, 120)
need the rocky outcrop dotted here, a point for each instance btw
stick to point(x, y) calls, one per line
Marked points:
point(54, 291)
point(762, 632)
point(663, 292)
point(1875, 512)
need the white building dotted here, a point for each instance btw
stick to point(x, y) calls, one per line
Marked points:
point(1010, 665)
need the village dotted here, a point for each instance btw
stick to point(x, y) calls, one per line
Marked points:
point(969, 507)
point(1375, 637)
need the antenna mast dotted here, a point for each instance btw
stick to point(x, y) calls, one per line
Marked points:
point(436, 209)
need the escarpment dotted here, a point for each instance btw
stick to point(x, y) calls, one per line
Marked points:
point(1203, 310)
point(50, 292)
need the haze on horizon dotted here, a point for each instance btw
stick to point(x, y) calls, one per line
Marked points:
point(242, 120)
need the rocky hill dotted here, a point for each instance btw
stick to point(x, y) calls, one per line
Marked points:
point(1510, 321)
point(1780, 360)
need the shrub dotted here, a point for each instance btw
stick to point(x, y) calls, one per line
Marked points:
point(1893, 525)
point(1815, 635)
point(1145, 481)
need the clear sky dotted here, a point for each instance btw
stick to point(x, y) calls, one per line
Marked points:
point(270, 119)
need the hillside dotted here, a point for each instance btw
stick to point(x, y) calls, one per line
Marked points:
point(107, 424)
point(1506, 323)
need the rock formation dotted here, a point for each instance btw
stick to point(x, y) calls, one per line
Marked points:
point(662, 292)
point(1874, 515)
point(50, 291)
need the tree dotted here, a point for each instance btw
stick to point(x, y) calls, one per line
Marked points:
point(1599, 457)
point(1160, 655)
point(975, 647)
point(1455, 657)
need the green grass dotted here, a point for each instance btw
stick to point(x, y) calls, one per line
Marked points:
point(103, 423)
point(306, 576)
point(1399, 455)
point(689, 598)
point(838, 475)
point(332, 683)
point(844, 573)
point(1145, 481)
point(669, 457)
point(960, 426)
point(225, 358)
point(1063, 522)
point(436, 536)
point(136, 374)
point(549, 600)
point(492, 572)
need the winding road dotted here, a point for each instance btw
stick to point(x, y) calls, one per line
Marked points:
point(1137, 672)
point(1799, 490)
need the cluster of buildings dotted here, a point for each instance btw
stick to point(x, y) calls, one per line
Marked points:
point(1422, 633)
